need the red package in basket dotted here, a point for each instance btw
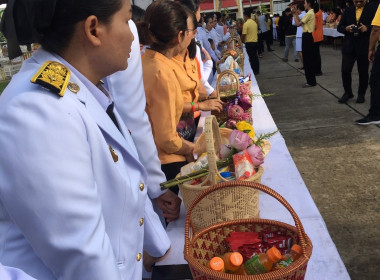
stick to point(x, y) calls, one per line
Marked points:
point(243, 165)
point(237, 239)
point(247, 251)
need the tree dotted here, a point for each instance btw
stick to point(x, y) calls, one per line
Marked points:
point(2, 37)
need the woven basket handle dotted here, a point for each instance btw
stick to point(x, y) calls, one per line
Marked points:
point(224, 73)
point(212, 133)
point(271, 192)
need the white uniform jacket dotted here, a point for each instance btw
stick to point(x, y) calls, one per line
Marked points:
point(203, 36)
point(68, 209)
point(127, 89)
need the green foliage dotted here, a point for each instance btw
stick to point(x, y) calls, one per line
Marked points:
point(226, 12)
point(263, 8)
point(2, 37)
point(3, 85)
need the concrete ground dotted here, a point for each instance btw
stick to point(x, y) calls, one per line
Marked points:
point(338, 160)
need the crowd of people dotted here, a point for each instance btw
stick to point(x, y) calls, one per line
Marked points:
point(105, 110)
point(301, 26)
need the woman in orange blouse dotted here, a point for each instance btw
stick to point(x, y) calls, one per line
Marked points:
point(187, 75)
point(167, 23)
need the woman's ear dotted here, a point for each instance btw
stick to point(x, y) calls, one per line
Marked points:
point(180, 37)
point(93, 30)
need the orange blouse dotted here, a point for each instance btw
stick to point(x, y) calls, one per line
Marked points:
point(164, 104)
point(187, 75)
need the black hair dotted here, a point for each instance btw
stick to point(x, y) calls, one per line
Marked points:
point(52, 23)
point(192, 5)
point(207, 16)
point(301, 7)
point(162, 22)
point(192, 48)
point(287, 10)
point(218, 16)
point(247, 13)
point(316, 7)
point(137, 14)
point(312, 4)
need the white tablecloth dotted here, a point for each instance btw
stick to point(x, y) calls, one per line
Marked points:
point(331, 32)
point(281, 174)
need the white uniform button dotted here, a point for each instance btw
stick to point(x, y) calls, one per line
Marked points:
point(138, 257)
point(141, 186)
point(141, 221)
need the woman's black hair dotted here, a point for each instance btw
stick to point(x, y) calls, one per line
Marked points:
point(192, 5)
point(162, 22)
point(192, 48)
point(312, 4)
point(52, 22)
point(316, 7)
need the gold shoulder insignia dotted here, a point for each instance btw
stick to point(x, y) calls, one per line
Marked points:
point(53, 76)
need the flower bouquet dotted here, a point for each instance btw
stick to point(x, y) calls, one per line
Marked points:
point(241, 157)
point(243, 154)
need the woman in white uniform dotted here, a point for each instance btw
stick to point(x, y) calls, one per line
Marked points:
point(73, 198)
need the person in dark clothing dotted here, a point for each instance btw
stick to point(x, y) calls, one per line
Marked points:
point(373, 116)
point(290, 35)
point(308, 50)
point(281, 28)
point(355, 24)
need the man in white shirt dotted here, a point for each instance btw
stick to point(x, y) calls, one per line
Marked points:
point(203, 36)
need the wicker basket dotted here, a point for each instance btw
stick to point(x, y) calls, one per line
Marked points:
point(231, 204)
point(225, 93)
point(201, 246)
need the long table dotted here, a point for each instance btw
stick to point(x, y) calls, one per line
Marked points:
point(332, 32)
point(281, 174)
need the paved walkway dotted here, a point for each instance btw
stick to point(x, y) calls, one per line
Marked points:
point(339, 160)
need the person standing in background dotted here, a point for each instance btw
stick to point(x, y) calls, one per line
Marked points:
point(308, 50)
point(249, 37)
point(355, 24)
point(373, 116)
point(290, 36)
point(301, 13)
point(262, 29)
point(318, 39)
point(281, 28)
point(275, 19)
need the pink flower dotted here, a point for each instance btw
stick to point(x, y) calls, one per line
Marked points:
point(246, 117)
point(239, 140)
point(256, 155)
point(225, 151)
point(231, 124)
point(245, 102)
point(235, 112)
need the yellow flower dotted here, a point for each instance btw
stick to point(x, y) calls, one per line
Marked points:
point(247, 128)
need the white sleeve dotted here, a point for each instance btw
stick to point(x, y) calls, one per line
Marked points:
point(206, 68)
point(127, 89)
